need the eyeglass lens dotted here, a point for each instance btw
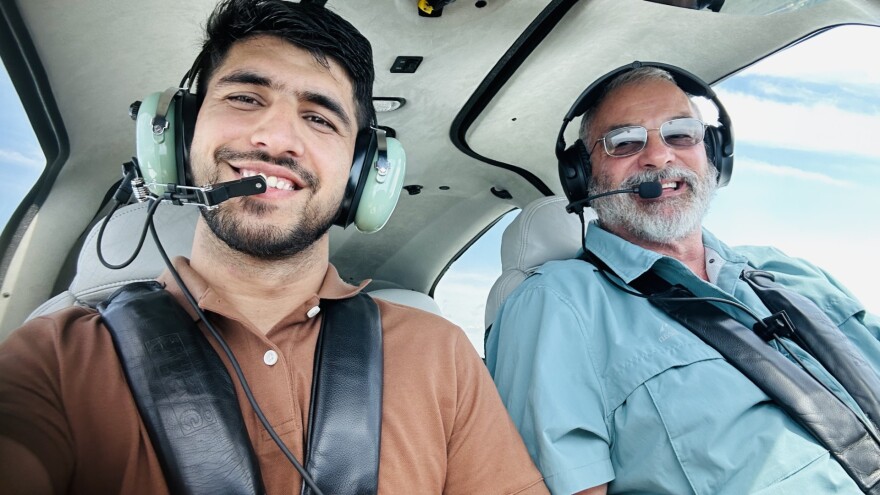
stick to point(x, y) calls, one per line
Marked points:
point(676, 133)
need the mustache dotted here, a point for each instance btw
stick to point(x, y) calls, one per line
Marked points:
point(683, 174)
point(230, 155)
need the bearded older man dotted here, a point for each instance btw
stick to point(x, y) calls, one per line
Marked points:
point(610, 391)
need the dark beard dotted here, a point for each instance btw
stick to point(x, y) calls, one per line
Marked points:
point(266, 242)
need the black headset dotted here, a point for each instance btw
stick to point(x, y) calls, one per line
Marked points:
point(575, 170)
point(166, 122)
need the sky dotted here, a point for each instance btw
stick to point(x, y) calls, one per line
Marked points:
point(21, 159)
point(807, 163)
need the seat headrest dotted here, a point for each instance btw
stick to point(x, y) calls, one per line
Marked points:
point(176, 226)
point(94, 282)
point(542, 232)
point(408, 298)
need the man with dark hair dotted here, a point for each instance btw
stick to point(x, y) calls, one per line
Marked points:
point(621, 383)
point(284, 89)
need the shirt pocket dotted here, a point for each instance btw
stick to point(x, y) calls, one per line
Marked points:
point(714, 427)
point(663, 347)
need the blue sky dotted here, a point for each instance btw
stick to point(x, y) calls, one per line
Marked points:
point(21, 160)
point(807, 128)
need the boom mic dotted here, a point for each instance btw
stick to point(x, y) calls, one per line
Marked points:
point(207, 196)
point(645, 190)
point(649, 190)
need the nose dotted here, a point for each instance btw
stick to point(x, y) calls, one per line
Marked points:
point(279, 131)
point(657, 154)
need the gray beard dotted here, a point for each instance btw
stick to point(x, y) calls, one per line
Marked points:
point(646, 220)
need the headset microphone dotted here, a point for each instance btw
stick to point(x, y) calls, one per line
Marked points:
point(645, 190)
point(214, 194)
point(209, 196)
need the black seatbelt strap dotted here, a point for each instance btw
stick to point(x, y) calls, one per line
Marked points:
point(187, 401)
point(823, 340)
point(805, 400)
point(345, 416)
point(183, 392)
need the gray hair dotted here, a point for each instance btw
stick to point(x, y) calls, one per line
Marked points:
point(642, 74)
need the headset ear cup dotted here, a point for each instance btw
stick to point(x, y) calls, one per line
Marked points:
point(364, 149)
point(715, 152)
point(725, 154)
point(575, 171)
point(187, 111)
point(156, 141)
point(710, 140)
point(381, 190)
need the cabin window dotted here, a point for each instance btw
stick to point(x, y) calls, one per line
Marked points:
point(807, 162)
point(464, 288)
point(21, 159)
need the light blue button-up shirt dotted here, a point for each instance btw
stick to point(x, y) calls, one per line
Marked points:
point(604, 387)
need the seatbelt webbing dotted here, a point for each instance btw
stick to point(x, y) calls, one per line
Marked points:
point(823, 340)
point(183, 392)
point(345, 415)
point(187, 401)
point(819, 411)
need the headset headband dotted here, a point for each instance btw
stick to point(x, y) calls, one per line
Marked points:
point(575, 167)
point(685, 80)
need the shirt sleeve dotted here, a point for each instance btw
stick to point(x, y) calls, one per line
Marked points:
point(31, 412)
point(539, 355)
point(486, 453)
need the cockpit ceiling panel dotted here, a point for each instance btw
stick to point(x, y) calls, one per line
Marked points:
point(527, 112)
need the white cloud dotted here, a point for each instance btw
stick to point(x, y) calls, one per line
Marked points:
point(791, 172)
point(33, 160)
point(827, 58)
point(789, 91)
point(782, 125)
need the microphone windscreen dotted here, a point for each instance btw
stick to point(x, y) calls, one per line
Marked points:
point(650, 190)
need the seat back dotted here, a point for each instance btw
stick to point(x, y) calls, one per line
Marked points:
point(542, 232)
point(175, 225)
point(94, 282)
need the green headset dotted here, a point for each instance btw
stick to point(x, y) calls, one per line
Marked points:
point(165, 123)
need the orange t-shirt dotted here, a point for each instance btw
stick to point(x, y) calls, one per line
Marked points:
point(63, 396)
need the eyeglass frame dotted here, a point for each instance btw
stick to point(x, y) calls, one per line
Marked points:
point(645, 143)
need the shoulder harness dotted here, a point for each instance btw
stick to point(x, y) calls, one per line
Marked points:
point(850, 438)
point(188, 404)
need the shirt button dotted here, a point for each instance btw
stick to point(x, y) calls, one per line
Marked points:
point(270, 358)
point(313, 312)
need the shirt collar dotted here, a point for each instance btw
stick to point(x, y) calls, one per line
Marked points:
point(629, 261)
point(332, 287)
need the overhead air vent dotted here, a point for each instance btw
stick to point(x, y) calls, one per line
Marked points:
point(383, 104)
point(406, 65)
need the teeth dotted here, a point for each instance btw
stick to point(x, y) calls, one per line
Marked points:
point(271, 180)
point(670, 185)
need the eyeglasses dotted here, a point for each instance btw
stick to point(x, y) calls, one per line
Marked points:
point(675, 133)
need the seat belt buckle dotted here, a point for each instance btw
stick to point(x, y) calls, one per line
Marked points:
point(777, 325)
